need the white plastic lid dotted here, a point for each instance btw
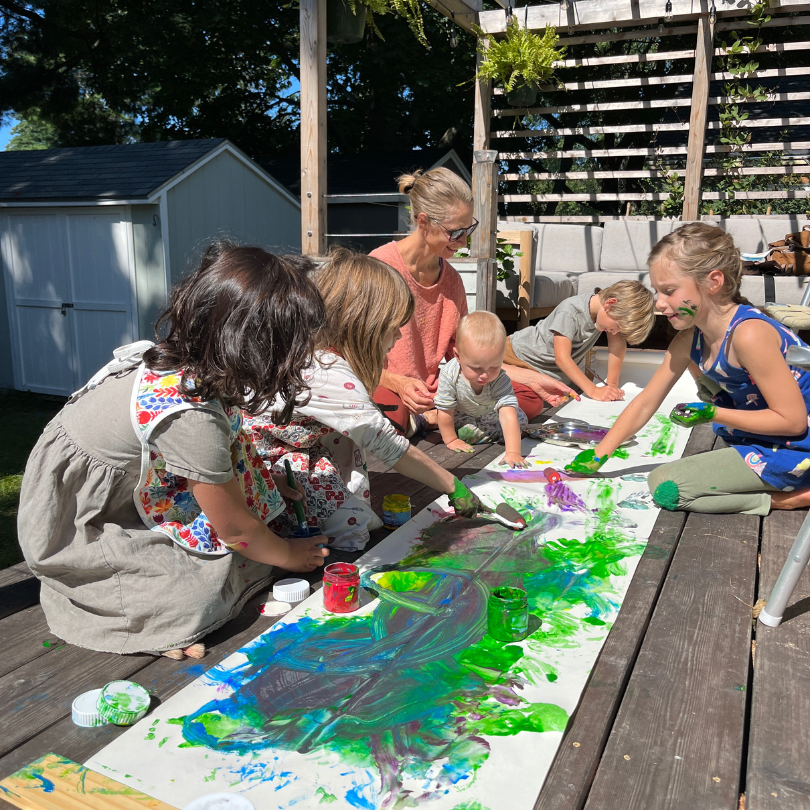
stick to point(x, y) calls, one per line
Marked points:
point(221, 801)
point(85, 710)
point(273, 608)
point(290, 590)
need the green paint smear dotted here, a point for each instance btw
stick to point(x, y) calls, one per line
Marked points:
point(324, 796)
point(163, 742)
point(470, 806)
point(665, 442)
point(620, 452)
point(403, 581)
point(402, 723)
point(211, 776)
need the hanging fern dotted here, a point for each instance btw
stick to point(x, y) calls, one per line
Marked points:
point(520, 58)
point(409, 10)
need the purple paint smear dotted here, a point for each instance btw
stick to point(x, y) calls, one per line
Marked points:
point(564, 497)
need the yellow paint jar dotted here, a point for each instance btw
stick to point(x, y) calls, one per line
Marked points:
point(396, 511)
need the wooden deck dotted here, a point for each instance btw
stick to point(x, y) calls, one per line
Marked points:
point(689, 705)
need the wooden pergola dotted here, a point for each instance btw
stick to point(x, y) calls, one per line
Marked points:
point(701, 17)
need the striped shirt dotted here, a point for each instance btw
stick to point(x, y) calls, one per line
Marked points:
point(455, 392)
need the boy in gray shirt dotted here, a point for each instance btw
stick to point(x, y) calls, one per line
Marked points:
point(559, 344)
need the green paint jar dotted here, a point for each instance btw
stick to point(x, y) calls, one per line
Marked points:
point(508, 614)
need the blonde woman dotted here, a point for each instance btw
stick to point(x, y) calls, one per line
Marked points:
point(441, 213)
point(367, 304)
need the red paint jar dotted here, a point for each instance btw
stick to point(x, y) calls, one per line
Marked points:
point(341, 588)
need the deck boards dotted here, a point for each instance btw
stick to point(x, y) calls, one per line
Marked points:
point(666, 684)
point(573, 769)
point(778, 760)
point(677, 739)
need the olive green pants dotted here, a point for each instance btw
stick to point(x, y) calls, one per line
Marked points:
point(715, 482)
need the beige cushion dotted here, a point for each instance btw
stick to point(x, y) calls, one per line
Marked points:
point(588, 282)
point(552, 288)
point(791, 315)
point(628, 243)
point(752, 235)
point(788, 289)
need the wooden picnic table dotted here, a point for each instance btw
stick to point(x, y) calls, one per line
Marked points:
point(689, 704)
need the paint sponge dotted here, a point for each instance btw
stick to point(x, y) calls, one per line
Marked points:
point(667, 495)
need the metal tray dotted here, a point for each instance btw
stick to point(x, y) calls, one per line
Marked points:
point(571, 433)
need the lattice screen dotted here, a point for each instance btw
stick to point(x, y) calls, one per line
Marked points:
point(613, 142)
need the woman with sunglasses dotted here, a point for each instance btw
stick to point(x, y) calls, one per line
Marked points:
point(441, 213)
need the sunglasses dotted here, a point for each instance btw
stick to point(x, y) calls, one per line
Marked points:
point(457, 233)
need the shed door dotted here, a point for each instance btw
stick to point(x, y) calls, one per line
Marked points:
point(71, 290)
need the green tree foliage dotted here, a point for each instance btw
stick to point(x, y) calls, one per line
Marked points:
point(110, 71)
point(32, 133)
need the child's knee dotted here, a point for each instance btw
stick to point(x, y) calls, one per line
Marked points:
point(665, 491)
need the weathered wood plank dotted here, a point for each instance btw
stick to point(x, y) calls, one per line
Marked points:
point(609, 13)
point(39, 693)
point(162, 677)
point(678, 735)
point(645, 104)
point(56, 783)
point(798, 169)
point(19, 589)
point(313, 126)
point(482, 104)
point(778, 770)
point(22, 636)
point(569, 779)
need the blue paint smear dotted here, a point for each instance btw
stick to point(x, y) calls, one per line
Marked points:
point(356, 799)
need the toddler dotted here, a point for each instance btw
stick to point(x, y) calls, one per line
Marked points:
point(475, 399)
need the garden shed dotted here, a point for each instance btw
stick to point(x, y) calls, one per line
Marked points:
point(92, 239)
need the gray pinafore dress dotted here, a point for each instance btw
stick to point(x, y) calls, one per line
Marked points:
point(109, 581)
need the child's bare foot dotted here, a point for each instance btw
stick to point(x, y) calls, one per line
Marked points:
point(192, 651)
point(798, 499)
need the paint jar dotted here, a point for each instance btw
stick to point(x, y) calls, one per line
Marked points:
point(508, 614)
point(341, 588)
point(396, 511)
point(310, 531)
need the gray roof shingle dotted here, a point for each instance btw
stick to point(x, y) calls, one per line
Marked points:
point(126, 171)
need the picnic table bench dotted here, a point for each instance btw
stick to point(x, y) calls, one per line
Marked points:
point(689, 705)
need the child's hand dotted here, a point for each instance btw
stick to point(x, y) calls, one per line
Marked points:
point(305, 553)
point(287, 492)
point(514, 460)
point(606, 393)
point(586, 463)
point(460, 446)
point(689, 414)
point(464, 501)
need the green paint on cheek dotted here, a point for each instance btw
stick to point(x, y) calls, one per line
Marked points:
point(667, 495)
point(688, 311)
point(324, 797)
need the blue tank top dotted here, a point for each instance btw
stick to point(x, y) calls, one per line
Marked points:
point(782, 462)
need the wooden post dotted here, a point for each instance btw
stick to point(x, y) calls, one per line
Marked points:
point(704, 50)
point(483, 106)
point(313, 126)
point(485, 210)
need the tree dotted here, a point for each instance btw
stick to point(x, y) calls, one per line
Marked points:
point(32, 133)
point(109, 71)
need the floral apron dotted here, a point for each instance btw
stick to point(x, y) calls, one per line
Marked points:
point(162, 499)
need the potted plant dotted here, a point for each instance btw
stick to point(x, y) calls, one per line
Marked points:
point(346, 19)
point(520, 61)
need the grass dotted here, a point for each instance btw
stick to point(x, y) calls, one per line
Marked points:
point(23, 416)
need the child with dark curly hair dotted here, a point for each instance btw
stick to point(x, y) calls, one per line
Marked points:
point(144, 507)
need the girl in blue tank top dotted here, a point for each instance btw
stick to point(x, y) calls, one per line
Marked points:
point(761, 409)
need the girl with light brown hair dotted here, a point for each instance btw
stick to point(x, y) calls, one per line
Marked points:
point(367, 304)
point(441, 215)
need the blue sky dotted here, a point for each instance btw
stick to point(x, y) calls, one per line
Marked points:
point(5, 133)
